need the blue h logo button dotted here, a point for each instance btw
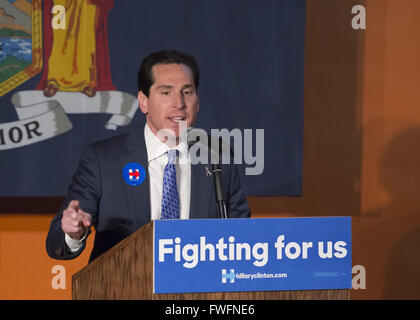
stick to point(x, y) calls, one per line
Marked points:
point(230, 275)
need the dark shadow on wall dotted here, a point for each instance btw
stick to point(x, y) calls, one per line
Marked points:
point(400, 174)
point(48, 205)
point(332, 143)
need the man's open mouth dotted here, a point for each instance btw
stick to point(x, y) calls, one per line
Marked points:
point(177, 119)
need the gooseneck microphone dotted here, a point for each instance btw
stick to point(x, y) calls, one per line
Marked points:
point(218, 189)
point(216, 170)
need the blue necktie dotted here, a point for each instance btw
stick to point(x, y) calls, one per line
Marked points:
point(170, 197)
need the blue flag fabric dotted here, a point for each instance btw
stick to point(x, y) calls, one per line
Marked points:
point(251, 59)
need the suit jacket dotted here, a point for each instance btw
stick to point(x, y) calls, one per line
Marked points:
point(119, 209)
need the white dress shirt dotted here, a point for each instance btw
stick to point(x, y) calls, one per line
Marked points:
point(157, 159)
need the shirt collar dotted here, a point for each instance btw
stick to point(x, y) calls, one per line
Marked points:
point(156, 148)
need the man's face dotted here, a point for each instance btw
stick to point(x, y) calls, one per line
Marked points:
point(172, 98)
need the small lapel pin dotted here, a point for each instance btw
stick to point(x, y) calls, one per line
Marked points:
point(208, 172)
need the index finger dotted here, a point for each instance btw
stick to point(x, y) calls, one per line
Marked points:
point(85, 214)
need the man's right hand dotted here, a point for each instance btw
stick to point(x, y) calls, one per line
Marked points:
point(75, 221)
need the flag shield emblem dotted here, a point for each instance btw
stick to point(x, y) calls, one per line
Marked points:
point(20, 42)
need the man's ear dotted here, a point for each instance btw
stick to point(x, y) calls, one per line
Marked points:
point(143, 102)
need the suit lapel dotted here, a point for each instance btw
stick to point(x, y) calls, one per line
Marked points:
point(201, 192)
point(138, 197)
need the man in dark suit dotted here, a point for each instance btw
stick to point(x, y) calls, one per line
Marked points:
point(101, 196)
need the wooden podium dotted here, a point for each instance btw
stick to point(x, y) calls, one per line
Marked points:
point(126, 272)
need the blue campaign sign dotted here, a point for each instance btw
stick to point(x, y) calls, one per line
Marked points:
point(228, 255)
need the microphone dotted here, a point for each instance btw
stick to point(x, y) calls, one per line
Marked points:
point(191, 135)
point(218, 189)
point(194, 136)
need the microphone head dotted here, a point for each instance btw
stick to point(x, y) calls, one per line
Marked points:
point(214, 146)
point(192, 135)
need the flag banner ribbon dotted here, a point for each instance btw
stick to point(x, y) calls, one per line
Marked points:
point(42, 117)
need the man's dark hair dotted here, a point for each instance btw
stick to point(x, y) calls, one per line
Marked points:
point(145, 76)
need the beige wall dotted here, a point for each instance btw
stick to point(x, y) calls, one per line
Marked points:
point(361, 155)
